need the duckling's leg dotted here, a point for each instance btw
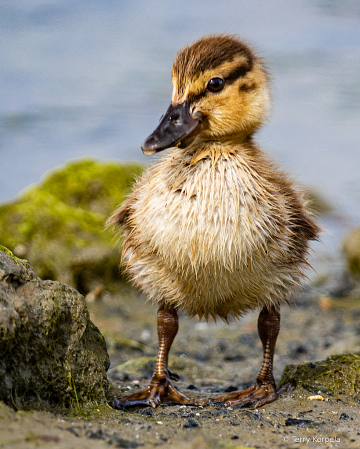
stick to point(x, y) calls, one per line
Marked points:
point(160, 388)
point(263, 390)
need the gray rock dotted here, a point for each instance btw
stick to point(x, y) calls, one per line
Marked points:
point(51, 354)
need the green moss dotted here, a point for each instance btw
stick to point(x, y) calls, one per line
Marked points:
point(59, 223)
point(94, 411)
point(95, 186)
point(7, 251)
point(338, 374)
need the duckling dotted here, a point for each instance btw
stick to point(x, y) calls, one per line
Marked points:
point(214, 228)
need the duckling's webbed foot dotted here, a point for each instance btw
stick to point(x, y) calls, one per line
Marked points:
point(160, 388)
point(255, 396)
point(263, 390)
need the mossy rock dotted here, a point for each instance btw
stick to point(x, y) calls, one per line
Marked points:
point(351, 249)
point(58, 225)
point(52, 356)
point(7, 251)
point(338, 374)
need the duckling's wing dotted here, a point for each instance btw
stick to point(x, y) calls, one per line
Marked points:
point(121, 215)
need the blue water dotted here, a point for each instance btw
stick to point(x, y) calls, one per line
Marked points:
point(91, 78)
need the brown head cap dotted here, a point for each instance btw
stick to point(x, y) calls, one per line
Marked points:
point(208, 53)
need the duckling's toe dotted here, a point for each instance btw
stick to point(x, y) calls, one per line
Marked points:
point(153, 395)
point(255, 396)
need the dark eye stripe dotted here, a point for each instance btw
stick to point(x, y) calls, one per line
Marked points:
point(238, 72)
point(193, 98)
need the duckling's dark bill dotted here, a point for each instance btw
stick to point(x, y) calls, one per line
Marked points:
point(175, 126)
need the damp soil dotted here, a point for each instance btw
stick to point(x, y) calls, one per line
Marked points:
point(211, 358)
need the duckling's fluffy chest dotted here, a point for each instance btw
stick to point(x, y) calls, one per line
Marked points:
point(209, 239)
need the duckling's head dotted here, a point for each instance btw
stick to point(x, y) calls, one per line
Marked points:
point(220, 92)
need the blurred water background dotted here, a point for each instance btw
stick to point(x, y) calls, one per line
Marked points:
point(91, 78)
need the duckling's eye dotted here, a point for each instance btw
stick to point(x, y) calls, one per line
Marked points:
point(215, 85)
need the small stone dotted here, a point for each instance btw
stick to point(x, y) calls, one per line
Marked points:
point(217, 404)
point(148, 411)
point(145, 335)
point(234, 358)
point(297, 422)
point(190, 423)
point(230, 389)
point(192, 387)
point(317, 397)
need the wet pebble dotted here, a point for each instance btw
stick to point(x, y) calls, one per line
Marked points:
point(220, 413)
point(192, 387)
point(75, 430)
point(148, 411)
point(297, 422)
point(345, 416)
point(230, 389)
point(125, 421)
point(190, 423)
point(234, 358)
point(217, 404)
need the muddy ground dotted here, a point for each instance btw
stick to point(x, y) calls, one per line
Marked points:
point(211, 358)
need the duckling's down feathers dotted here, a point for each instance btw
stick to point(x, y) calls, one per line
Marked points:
point(216, 237)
